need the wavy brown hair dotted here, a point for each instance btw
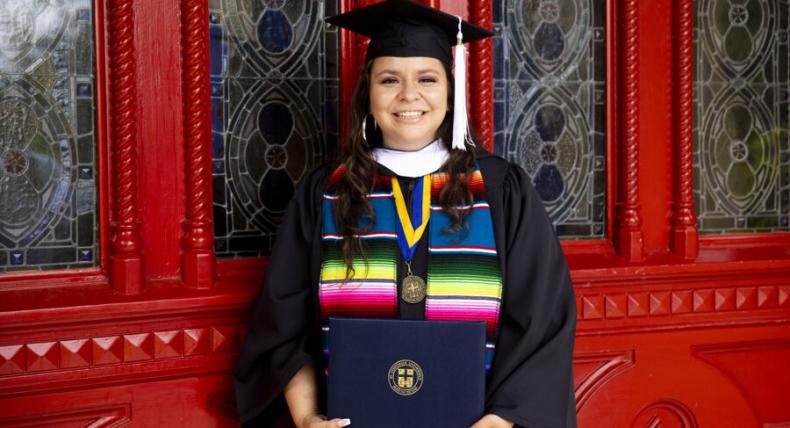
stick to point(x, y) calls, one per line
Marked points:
point(353, 213)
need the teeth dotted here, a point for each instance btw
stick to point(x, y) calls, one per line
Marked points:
point(409, 114)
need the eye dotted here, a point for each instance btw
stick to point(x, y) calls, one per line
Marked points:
point(389, 81)
point(428, 80)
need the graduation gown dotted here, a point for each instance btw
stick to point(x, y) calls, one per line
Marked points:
point(530, 382)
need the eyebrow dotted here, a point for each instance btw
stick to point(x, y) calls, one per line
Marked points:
point(395, 72)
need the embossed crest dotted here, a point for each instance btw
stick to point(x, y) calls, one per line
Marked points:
point(405, 377)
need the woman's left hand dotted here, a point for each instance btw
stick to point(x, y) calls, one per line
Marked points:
point(492, 421)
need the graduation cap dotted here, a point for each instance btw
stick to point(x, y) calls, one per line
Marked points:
point(403, 28)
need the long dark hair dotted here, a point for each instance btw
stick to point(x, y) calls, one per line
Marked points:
point(352, 204)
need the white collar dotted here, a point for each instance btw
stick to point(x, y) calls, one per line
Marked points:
point(413, 164)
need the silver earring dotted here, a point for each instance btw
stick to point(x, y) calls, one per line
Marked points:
point(364, 125)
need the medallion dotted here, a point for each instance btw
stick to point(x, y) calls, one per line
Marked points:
point(413, 289)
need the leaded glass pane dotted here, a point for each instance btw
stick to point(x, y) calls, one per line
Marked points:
point(47, 135)
point(549, 105)
point(741, 78)
point(274, 100)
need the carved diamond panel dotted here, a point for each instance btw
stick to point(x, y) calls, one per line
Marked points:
point(767, 297)
point(725, 299)
point(746, 298)
point(42, 356)
point(225, 338)
point(615, 306)
point(661, 303)
point(168, 344)
point(682, 302)
point(119, 349)
point(138, 347)
point(107, 350)
point(75, 353)
point(703, 300)
point(637, 304)
point(197, 341)
point(12, 359)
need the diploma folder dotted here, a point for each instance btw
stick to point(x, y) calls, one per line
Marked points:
point(406, 373)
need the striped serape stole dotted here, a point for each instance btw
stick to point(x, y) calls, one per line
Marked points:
point(464, 281)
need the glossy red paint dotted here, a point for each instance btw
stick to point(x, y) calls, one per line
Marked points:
point(694, 333)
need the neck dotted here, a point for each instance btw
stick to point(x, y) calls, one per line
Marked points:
point(407, 147)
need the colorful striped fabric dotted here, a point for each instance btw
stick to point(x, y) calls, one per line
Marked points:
point(464, 281)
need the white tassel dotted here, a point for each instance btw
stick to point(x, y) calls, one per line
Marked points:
point(460, 125)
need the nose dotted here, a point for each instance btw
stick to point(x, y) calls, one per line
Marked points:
point(409, 91)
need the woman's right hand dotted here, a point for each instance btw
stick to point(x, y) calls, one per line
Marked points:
point(320, 421)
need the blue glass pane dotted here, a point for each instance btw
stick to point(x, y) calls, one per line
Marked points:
point(274, 107)
point(274, 31)
point(549, 105)
point(548, 183)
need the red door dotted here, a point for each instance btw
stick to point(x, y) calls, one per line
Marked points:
point(130, 255)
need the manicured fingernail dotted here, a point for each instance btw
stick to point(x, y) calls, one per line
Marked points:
point(345, 422)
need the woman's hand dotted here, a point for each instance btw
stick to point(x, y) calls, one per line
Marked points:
point(492, 421)
point(320, 421)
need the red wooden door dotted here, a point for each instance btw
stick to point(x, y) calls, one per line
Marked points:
point(677, 326)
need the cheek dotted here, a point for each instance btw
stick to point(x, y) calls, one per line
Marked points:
point(438, 100)
point(378, 100)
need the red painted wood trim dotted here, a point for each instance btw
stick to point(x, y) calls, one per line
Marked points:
point(198, 258)
point(481, 76)
point(100, 35)
point(611, 117)
point(684, 221)
point(127, 262)
point(630, 242)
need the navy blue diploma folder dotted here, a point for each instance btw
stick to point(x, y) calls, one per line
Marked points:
point(404, 373)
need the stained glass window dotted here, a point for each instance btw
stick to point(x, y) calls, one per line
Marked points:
point(742, 146)
point(549, 105)
point(274, 102)
point(47, 135)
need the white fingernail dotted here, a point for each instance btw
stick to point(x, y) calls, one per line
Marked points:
point(345, 422)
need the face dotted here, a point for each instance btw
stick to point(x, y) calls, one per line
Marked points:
point(408, 99)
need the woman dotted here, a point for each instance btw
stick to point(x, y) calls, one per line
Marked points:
point(401, 134)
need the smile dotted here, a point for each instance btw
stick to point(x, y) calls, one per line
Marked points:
point(409, 114)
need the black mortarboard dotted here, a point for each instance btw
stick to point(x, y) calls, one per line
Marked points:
point(404, 28)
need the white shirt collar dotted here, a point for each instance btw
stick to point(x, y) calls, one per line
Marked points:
point(413, 164)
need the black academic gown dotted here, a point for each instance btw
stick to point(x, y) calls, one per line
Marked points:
point(531, 379)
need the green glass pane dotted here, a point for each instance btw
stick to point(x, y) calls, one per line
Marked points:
point(741, 116)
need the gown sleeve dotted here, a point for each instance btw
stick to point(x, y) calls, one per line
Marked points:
point(531, 380)
point(282, 335)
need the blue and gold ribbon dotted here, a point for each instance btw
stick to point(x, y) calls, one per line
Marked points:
point(411, 228)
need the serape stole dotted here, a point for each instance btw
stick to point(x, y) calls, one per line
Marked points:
point(464, 281)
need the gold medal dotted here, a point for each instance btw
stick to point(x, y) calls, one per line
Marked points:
point(413, 289)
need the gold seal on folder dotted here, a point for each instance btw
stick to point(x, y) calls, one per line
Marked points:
point(405, 377)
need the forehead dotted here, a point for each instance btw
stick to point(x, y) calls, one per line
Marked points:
point(406, 64)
